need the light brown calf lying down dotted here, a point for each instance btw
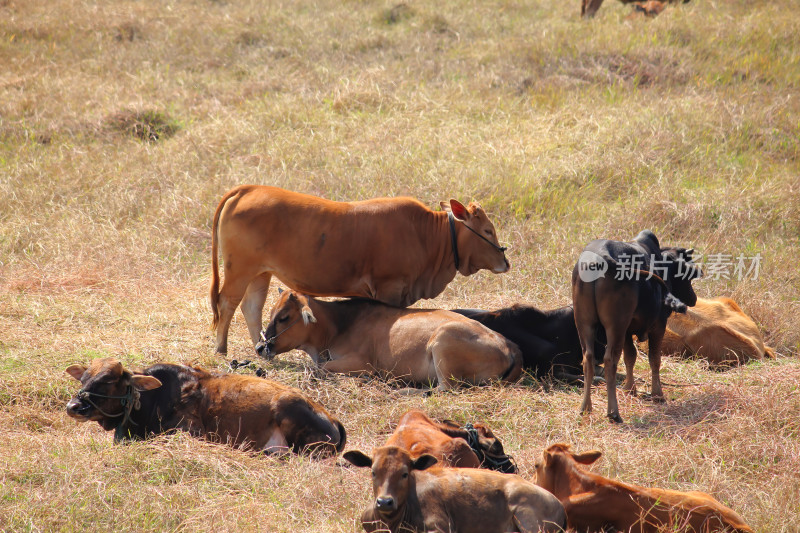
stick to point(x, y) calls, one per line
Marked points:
point(595, 503)
point(419, 495)
point(716, 330)
point(421, 346)
point(472, 446)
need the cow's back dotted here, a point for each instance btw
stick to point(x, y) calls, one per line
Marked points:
point(418, 434)
point(248, 410)
point(326, 248)
point(470, 500)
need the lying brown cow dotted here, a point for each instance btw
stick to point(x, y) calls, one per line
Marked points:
point(418, 495)
point(716, 330)
point(394, 250)
point(243, 411)
point(471, 446)
point(421, 346)
point(626, 289)
point(595, 503)
point(649, 8)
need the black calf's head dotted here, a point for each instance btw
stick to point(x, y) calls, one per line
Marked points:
point(681, 272)
point(107, 391)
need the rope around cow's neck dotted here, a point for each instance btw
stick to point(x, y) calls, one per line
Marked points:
point(452, 219)
point(272, 339)
point(495, 463)
point(129, 401)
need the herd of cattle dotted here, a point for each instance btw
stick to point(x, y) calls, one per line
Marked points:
point(385, 255)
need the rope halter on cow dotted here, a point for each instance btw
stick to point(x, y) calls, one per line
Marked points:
point(452, 219)
point(502, 463)
point(128, 401)
point(269, 341)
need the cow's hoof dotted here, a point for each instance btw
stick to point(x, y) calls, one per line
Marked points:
point(615, 418)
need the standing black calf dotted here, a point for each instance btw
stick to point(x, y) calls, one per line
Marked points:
point(628, 288)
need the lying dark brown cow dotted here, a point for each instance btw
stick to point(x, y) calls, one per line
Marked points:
point(394, 250)
point(716, 330)
point(628, 288)
point(548, 339)
point(418, 495)
point(595, 503)
point(471, 446)
point(649, 8)
point(420, 346)
point(243, 411)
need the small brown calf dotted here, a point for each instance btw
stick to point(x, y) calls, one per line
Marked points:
point(418, 495)
point(244, 411)
point(595, 503)
point(466, 447)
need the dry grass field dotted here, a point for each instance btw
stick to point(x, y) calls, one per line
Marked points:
point(122, 122)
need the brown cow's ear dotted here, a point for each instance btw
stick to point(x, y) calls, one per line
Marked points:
point(307, 315)
point(76, 371)
point(444, 206)
point(357, 458)
point(145, 382)
point(423, 461)
point(587, 458)
point(459, 211)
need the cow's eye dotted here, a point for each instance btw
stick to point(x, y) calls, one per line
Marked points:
point(283, 318)
point(405, 475)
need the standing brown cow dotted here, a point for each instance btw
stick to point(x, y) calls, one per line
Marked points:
point(394, 250)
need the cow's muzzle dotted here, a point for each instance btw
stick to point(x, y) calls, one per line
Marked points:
point(76, 408)
point(385, 504)
point(265, 348)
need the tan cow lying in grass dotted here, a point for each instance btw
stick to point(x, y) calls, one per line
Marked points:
point(422, 346)
point(716, 330)
point(394, 250)
point(472, 446)
point(595, 503)
point(244, 411)
point(419, 495)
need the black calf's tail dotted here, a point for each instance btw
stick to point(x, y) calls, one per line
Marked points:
point(673, 303)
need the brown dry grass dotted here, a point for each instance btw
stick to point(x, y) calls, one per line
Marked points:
point(688, 124)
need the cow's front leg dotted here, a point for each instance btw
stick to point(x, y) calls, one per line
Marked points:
point(654, 356)
point(352, 366)
point(629, 353)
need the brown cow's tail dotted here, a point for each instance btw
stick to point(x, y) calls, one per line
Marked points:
point(214, 293)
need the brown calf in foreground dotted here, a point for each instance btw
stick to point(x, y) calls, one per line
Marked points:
point(716, 330)
point(244, 411)
point(420, 346)
point(595, 503)
point(472, 446)
point(394, 250)
point(418, 495)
